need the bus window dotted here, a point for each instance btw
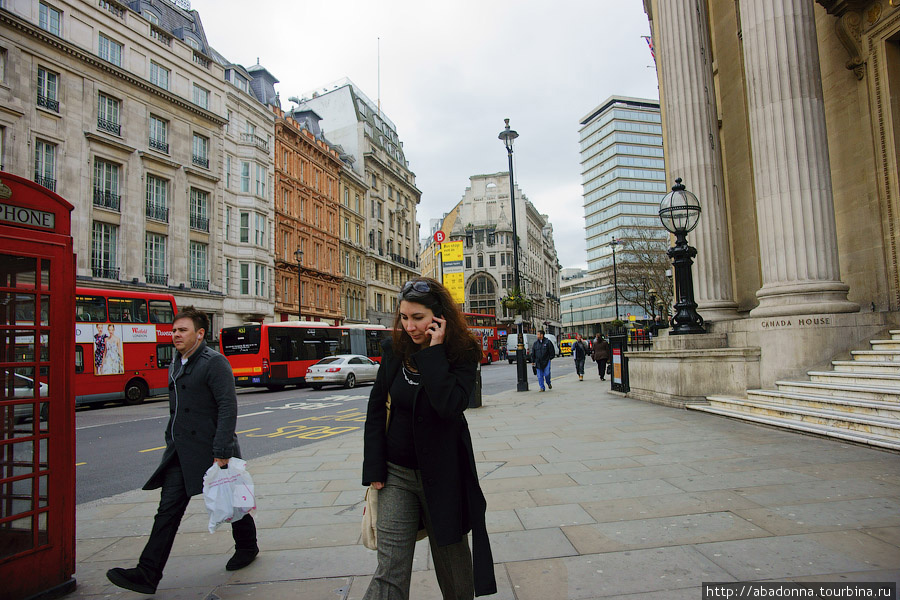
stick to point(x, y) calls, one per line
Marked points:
point(164, 355)
point(161, 311)
point(90, 309)
point(241, 340)
point(79, 359)
point(127, 310)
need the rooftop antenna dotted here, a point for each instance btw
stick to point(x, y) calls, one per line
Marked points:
point(379, 76)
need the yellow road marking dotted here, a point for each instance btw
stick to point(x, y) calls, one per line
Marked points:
point(246, 430)
point(152, 449)
point(79, 464)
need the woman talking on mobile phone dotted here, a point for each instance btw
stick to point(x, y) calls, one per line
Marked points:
point(418, 453)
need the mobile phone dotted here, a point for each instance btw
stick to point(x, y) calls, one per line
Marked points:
point(437, 311)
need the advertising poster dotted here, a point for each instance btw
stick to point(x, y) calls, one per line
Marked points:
point(617, 365)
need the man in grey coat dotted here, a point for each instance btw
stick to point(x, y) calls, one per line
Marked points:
point(202, 418)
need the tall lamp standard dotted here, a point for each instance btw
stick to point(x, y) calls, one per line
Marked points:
point(612, 244)
point(508, 135)
point(298, 254)
point(679, 211)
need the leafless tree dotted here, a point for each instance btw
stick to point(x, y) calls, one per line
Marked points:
point(641, 265)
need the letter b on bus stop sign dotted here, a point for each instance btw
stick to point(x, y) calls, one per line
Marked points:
point(440, 236)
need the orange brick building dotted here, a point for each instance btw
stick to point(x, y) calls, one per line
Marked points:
point(307, 172)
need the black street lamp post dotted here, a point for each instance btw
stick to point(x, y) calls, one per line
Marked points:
point(612, 244)
point(652, 303)
point(508, 135)
point(298, 254)
point(679, 212)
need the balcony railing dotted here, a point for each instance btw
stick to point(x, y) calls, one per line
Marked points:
point(200, 223)
point(47, 182)
point(201, 60)
point(252, 138)
point(110, 126)
point(160, 35)
point(114, 8)
point(48, 103)
point(200, 161)
point(157, 212)
point(159, 145)
point(200, 284)
point(106, 199)
point(105, 272)
point(156, 278)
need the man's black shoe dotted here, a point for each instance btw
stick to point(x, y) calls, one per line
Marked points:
point(549, 385)
point(131, 579)
point(241, 559)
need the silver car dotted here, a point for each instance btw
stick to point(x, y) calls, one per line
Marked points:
point(24, 388)
point(343, 369)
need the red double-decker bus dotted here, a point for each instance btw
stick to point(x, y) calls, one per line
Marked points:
point(123, 344)
point(484, 326)
point(273, 355)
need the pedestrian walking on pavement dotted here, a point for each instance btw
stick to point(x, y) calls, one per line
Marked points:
point(200, 432)
point(418, 451)
point(542, 352)
point(600, 354)
point(579, 352)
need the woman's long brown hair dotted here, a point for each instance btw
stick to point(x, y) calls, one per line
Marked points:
point(459, 342)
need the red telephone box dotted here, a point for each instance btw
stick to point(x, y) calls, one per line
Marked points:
point(37, 406)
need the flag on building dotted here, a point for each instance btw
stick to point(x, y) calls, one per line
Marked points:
point(649, 41)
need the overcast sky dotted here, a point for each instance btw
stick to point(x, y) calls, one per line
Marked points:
point(451, 72)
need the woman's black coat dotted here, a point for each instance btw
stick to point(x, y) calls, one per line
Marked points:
point(443, 450)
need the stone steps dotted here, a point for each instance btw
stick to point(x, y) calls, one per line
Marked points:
point(876, 355)
point(858, 401)
point(847, 391)
point(867, 366)
point(845, 405)
point(724, 408)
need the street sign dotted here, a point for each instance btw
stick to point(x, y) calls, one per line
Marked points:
point(440, 236)
point(455, 284)
point(452, 255)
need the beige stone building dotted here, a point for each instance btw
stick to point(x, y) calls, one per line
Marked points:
point(781, 116)
point(120, 109)
point(352, 242)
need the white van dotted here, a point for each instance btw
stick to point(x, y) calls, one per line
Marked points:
point(512, 342)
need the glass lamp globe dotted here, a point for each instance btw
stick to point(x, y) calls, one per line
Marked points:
point(679, 210)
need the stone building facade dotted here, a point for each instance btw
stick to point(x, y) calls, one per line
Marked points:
point(307, 181)
point(800, 219)
point(355, 123)
point(352, 220)
point(120, 109)
point(482, 221)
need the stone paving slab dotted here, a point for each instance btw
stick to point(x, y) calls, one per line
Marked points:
point(589, 496)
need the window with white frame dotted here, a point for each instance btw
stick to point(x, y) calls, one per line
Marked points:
point(3, 58)
point(50, 19)
point(260, 230)
point(201, 96)
point(198, 266)
point(106, 184)
point(157, 198)
point(159, 134)
point(229, 215)
point(104, 245)
point(261, 177)
point(228, 268)
point(159, 75)
point(227, 171)
point(245, 177)
point(108, 114)
point(110, 50)
point(48, 89)
point(192, 42)
point(245, 278)
point(45, 164)
point(245, 228)
point(155, 258)
point(199, 210)
point(200, 151)
point(151, 17)
point(261, 280)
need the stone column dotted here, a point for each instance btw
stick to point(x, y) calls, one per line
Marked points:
point(693, 153)
point(794, 203)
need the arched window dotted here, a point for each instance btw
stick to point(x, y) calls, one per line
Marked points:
point(482, 296)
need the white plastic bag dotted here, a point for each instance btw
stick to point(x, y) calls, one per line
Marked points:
point(228, 493)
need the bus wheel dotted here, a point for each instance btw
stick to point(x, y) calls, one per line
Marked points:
point(274, 388)
point(135, 392)
point(490, 359)
point(316, 386)
point(351, 381)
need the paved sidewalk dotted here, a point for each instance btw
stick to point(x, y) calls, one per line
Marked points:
point(590, 495)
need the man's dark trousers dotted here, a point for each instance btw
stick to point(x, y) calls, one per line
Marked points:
point(173, 502)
